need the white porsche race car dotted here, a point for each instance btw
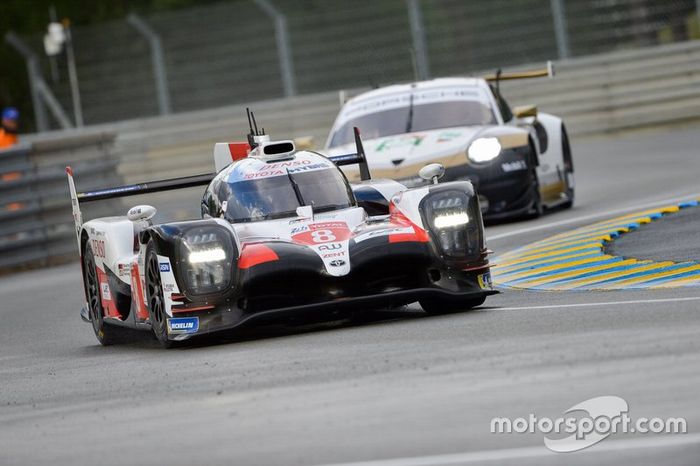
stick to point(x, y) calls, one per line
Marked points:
point(518, 160)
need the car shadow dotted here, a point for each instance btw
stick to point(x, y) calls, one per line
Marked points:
point(252, 331)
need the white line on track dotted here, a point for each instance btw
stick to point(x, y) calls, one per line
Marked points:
point(598, 215)
point(647, 442)
point(607, 303)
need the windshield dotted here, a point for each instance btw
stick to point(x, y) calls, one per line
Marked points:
point(423, 118)
point(276, 197)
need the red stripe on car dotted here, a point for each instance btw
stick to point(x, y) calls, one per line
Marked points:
point(255, 254)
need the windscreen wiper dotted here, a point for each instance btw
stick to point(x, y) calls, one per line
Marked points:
point(297, 191)
point(409, 122)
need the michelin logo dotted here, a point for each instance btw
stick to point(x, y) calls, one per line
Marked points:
point(183, 325)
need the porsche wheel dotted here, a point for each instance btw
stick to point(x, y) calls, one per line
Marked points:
point(537, 208)
point(436, 306)
point(155, 297)
point(106, 334)
point(568, 168)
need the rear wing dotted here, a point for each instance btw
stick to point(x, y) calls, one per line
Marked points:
point(127, 190)
point(547, 72)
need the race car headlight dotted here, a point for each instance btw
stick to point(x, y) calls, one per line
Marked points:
point(452, 223)
point(484, 150)
point(206, 259)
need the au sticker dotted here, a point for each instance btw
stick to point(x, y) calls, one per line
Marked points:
point(485, 281)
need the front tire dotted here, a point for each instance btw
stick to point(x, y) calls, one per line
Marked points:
point(437, 306)
point(155, 297)
point(106, 334)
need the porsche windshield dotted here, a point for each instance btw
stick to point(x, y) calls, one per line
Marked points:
point(279, 196)
point(422, 117)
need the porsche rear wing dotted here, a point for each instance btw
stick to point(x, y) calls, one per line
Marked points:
point(547, 72)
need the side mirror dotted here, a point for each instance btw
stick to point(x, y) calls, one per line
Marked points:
point(141, 212)
point(305, 211)
point(525, 111)
point(433, 171)
point(304, 142)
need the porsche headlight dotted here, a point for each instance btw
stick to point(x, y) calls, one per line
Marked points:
point(452, 223)
point(484, 150)
point(206, 259)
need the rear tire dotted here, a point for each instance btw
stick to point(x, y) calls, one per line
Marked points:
point(437, 306)
point(155, 298)
point(106, 334)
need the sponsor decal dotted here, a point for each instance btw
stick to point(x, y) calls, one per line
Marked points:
point(123, 269)
point(169, 287)
point(321, 233)
point(516, 165)
point(183, 325)
point(448, 136)
point(98, 248)
point(329, 255)
point(330, 246)
point(164, 267)
point(337, 263)
point(485, 282)
point(106, 293)
point(383, 232)
point(401, 141)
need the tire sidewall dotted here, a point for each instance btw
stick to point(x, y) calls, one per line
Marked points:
point(159, 327)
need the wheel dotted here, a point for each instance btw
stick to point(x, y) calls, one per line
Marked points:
point(155, 297)
point(106, 334)
point(568, 168)
point(436, 306)
point(537, 208)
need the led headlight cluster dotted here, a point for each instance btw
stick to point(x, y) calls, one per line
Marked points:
point(206, 259)
point(483, 150)
point(452, 223)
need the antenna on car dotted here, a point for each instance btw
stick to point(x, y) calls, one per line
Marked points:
point(251, 134)
point(255, 124)
point(498, 86)
point(364, 169)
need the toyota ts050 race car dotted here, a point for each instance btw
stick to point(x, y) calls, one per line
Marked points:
point(519, 160)
point(282, 232)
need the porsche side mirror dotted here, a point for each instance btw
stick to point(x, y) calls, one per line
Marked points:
point(141, 212)
point(525, 111)
point(432, 171)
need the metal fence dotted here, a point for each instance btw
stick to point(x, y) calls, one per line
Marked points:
point(36, 226)
point(246, 50)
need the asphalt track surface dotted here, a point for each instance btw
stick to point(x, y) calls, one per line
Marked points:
point(674, 237)
point(394, 388)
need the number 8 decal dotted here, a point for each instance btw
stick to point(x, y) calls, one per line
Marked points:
point(322, 236)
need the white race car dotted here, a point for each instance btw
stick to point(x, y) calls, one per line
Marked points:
point(518, 160)
point(282, 232)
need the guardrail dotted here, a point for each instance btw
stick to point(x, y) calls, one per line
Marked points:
point(36, 226)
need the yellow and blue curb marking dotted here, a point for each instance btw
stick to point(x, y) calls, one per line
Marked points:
point(576, 260)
